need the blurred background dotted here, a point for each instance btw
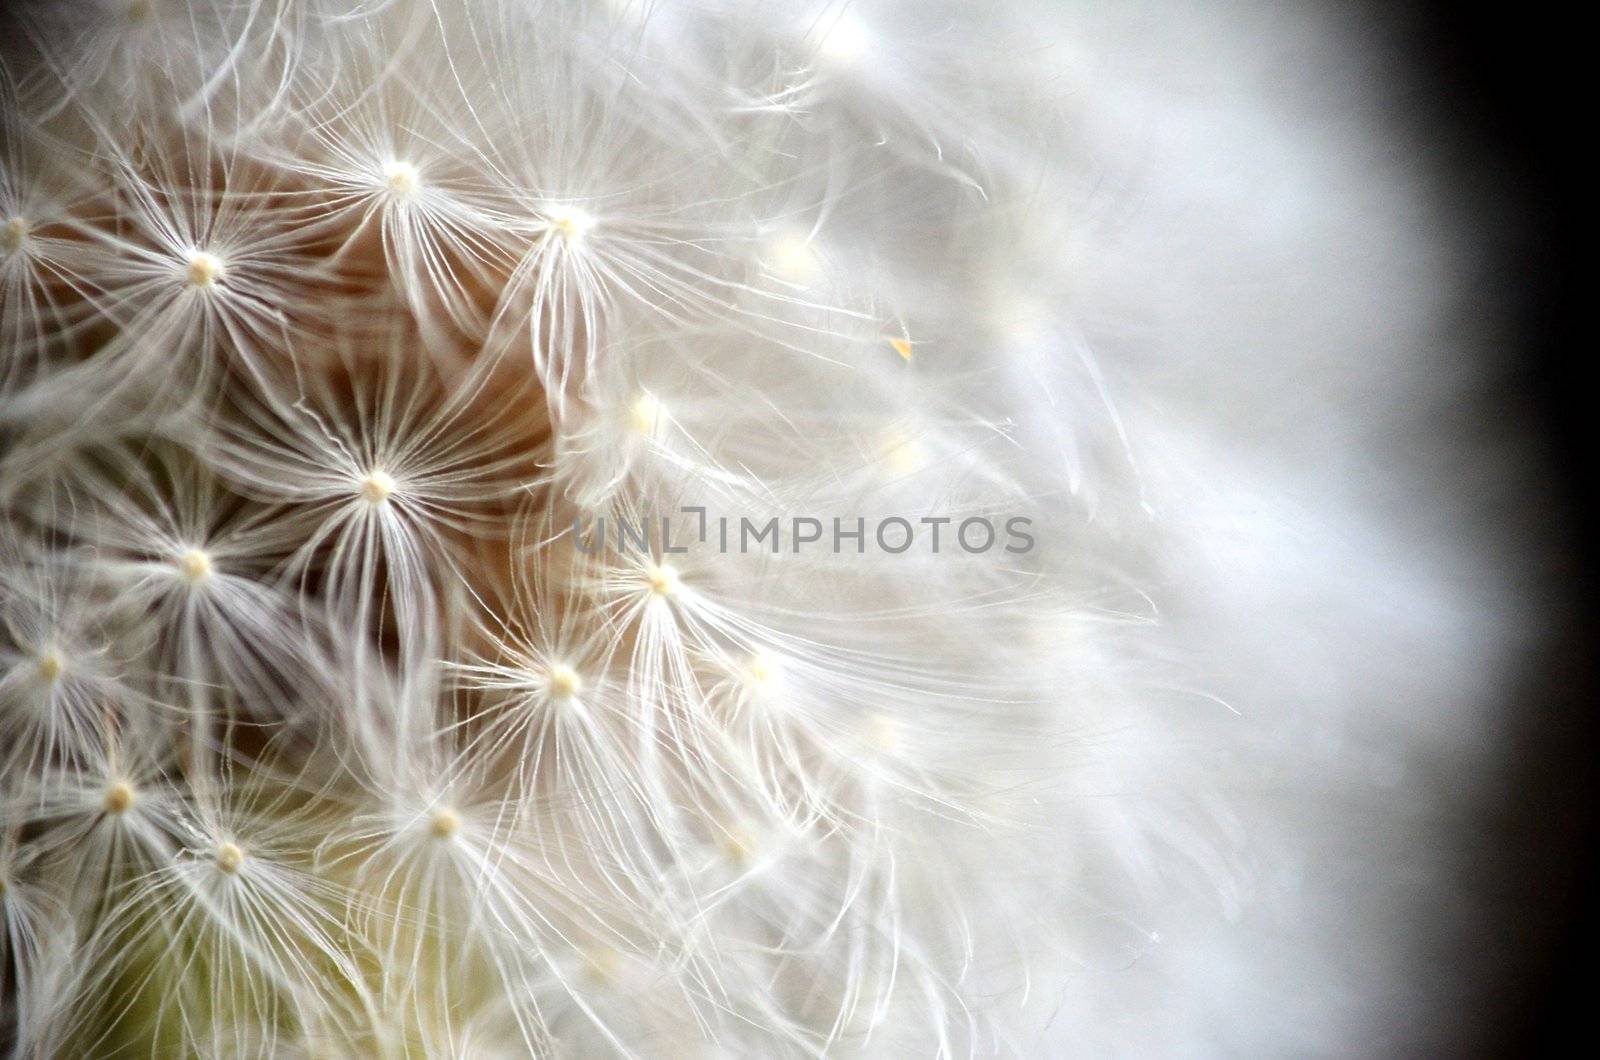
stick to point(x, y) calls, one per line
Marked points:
point(1492, 95)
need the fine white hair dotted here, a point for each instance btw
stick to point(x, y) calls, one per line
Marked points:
point(454, 468)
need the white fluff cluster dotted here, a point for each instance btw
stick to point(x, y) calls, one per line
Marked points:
point(325, 330)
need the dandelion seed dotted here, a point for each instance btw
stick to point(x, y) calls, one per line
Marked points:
point(902, 347)
point(387, 482)
point(186, 560)
point(200, 271)
point(65, 672)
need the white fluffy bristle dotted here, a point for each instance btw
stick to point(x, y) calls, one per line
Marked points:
point(666, 528)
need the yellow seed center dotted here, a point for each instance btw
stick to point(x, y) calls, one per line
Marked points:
point(195, 566)
point(564, 681)
point(52, 664)
point(402, 179)
point(204, 269)
point(230, 856)
point(119, 797)
point(663, 579)
point(13, 234)
point(644, 414)
point(760, 668)
point(377, 487)
point(570, 222)
point(446, 823)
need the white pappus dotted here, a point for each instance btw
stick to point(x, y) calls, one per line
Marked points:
point(326, 729)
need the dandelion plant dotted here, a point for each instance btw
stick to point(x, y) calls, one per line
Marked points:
point(694, 528)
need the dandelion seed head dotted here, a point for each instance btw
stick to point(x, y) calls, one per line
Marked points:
point(275, 323)
point(194, 566)
point(203, 269)
point(230, 858)
point(119, 798)
point(14, 234)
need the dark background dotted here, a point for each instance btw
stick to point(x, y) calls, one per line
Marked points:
point(1498, 87)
